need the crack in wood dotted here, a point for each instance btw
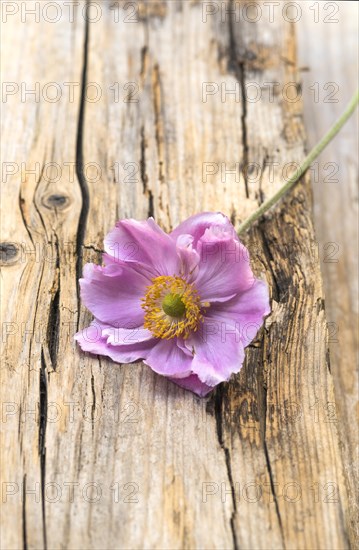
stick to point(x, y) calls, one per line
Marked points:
point(272, 485)
point(35, 205)
point(261, 196)
point(23, 514)
point(91, 247)
point(237, 67)
point(276, 291)
point(53, 323)
point(263, 402)
point(42, 440)
point(218, 410)
point(144, 178)
point(151, 209)
point(79, 169)
point(269, 467)
point(23, 216)
point(34, 323)
point(93, 407)
point(144, 63)
point(156, 85)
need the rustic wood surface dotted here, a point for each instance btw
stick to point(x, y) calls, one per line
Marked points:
point(99, 455)
point(328, 54)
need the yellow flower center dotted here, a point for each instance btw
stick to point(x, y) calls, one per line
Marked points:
point(172, 307)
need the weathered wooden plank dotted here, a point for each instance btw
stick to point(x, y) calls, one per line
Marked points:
point(293, 366)
point(327, 85)
point(214, 58)
point(151, 465)
point(39, 285)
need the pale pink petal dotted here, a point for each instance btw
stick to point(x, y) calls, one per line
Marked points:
point(193, 384)
point(143, 242)
point(224, 269)
point(113, 293)
point(247, 310)
point(98, 339)
point(90, 338)
point(127, 336)
point(189, 257)
point(196, 225)
point(218, 350)
point(168, 359)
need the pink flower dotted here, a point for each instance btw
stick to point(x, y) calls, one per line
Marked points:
point(186, 303)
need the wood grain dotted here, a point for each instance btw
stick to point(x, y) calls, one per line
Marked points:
point(328, 52)
point(121, 457)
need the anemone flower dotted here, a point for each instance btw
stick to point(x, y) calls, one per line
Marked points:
point(186, 303)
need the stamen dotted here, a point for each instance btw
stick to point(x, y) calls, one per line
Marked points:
point(172, 307)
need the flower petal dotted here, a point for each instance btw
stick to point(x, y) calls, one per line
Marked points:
point(224, 269)
point(168, 359)
point(189, 257)
point(196, 225)
point(247, 310)
point(127, 336)
point(193, 384)
point(113, 294)
point(90, 338)
point(218, 350)
point(143, 242)
point(101, 339)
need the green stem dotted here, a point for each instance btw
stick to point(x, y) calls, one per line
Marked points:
point(314, 153)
